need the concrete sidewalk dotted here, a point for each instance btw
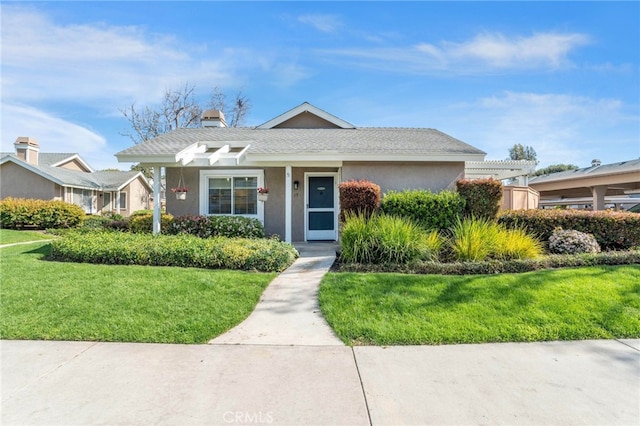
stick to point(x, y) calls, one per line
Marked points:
point(288, 312)
point(553, 383)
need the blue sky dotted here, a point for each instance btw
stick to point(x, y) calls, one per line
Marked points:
point(562, 77)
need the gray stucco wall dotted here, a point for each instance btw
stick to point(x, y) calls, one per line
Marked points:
point(400, 176)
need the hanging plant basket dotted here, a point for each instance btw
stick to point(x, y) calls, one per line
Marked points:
point(181, 190)
point(263, 197)
point(181, 196)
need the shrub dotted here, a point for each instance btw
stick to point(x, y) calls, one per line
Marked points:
point(143, 213)
point(359, 197)
point(572, 242)
point(482, 197)
point(144, 223)
point(431, 211)
point(384, 238)
point(516, 244)
point(16, 213)
point(112, 248)
point(213, 226)
point(95, 222)
point(612, 230)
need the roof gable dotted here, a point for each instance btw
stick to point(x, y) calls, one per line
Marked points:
point(306, 116)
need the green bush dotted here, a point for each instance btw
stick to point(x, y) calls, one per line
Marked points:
point(359, 197)
point(431, 211)
point(501, 266)
point(95, 222)
point(119, 248)
point(572, 242)
point(17, 213)
point(216, 226)
point(382, 238)
point(516, 244)
point(482, 197)
point(612, 230)
point(143, 223)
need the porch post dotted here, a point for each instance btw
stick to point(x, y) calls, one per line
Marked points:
point(156, 200)
point(117, 206)
point(287, 204)
point(598, 193)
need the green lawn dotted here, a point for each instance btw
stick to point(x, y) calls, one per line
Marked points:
point(561, 304)
point(10, 236)
point(73, 301)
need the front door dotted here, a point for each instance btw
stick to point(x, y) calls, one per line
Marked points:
point(321, 214)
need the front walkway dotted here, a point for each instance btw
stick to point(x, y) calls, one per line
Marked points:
point(288, 312)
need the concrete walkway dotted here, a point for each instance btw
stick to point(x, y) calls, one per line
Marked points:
point(288, 312)
point(552, 383)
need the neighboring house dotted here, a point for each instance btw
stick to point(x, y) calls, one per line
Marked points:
point(597, 187)
point(29, 173)
point(301, 156)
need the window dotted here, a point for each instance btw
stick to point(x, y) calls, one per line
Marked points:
point(231, 192)
point(123, 201)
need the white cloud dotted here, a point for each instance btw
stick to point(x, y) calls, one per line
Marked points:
point(561, 128)
point(54, 135)
point(485, 53)
point(324, 23)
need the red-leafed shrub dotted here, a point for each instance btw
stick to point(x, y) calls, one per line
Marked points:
point(612, 230)
point(359, 197)
point(482, 197)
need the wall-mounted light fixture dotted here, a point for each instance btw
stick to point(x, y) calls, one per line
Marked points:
point(296, 184)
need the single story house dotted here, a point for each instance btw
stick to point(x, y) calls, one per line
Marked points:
point(29, 173)
point(597, 187)
point(300, 157)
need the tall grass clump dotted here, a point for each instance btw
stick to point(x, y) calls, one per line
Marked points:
point(385, 239)
point(476, 240)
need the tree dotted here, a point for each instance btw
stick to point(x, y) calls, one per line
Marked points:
point(555, 168)
point(521, 152)
point(180, 109)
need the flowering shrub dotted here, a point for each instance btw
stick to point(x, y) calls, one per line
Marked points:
point(121, 248)
point(572, 242)
point(358, 197)
point(214, 226)
point(612, 230)
point(16, 213)
point(431, 211)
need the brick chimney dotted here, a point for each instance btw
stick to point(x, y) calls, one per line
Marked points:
point(213, 118)
point(27, 149)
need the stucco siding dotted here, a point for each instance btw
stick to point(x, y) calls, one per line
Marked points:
point(138, 198)
point(74, 165)
point(18, 182)
point(400, 176)
point(306, 120)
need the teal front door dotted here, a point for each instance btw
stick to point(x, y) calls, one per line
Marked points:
point(321, 214)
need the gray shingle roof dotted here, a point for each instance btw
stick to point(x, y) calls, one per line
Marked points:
point(102, 180)
point(604, 169)
point(369, 140)
point(49, 158)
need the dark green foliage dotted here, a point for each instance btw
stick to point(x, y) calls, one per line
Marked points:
point(612, 230)
point(431, 211)
point(521, 152)
point(117, 248)
point(501, 266)
point(358, 197)
point(555, 168)
point(215, 226)
point(482, 197)
point(18, 213)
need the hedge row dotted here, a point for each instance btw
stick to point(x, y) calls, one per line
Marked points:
point(117, 248)
point(500, 267)
point(612, 230)
point(18, 213)
point(431, 211)
point(482, 197)
point(211, 226)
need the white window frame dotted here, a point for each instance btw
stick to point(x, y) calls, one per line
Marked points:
point(205, 175)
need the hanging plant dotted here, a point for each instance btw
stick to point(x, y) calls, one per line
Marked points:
point(181, 190)
point(263, 194)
